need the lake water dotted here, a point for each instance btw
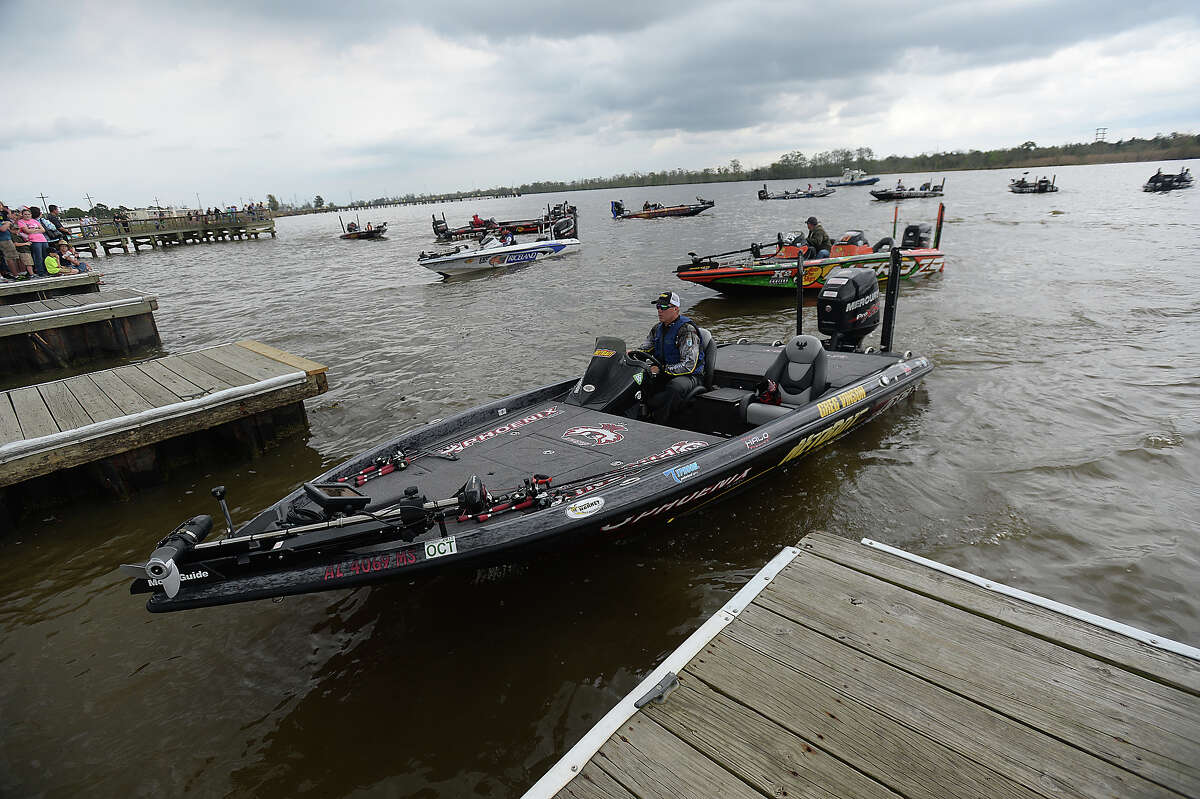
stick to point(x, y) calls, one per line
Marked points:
point(1055, 448)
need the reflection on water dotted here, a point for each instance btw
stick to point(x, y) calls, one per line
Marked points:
point(1055, 448)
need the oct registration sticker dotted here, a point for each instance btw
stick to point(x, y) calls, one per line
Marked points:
point(440, 547)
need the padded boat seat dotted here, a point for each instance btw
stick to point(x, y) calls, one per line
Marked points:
point(801, 371)
point(709, 347)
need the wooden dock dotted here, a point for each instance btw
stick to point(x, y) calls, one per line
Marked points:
point(42, 288)
point(858, 670)
point(103, 416)
point(59, 331)
point(108, 237)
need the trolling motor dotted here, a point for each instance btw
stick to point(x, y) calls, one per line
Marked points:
point(161, 567)
point(219, 493)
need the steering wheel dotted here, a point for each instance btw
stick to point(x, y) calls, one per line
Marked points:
point(644, 359)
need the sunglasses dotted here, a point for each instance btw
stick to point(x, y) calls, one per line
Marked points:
point(662, 307)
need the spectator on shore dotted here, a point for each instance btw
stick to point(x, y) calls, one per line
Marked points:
point(38, 245)
point(8, 250)
point(52, 215)
point(68, 257)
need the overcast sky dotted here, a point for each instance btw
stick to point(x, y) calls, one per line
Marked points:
point(366, 99)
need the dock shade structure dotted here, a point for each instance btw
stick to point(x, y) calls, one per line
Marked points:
point(118, 422)
point(59, 332)
point(847, 669)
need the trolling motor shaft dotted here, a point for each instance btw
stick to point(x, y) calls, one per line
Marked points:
point(219, 493)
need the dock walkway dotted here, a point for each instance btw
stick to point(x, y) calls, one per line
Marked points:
point(857, 670)
point(17, 291)
point(66, 423)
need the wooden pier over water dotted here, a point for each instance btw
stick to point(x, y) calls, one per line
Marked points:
point(855, 670)
point(131, 424)
point(45, 287)
point(109, 236)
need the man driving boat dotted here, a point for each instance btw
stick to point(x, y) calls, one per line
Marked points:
point(675, 342)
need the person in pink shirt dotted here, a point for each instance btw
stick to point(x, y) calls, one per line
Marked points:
point(38, 245)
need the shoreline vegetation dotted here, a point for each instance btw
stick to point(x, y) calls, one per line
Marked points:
point(794, 165)
point(790, 166)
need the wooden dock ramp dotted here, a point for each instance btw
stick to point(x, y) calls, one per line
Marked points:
point(115, 420)
point(857, 670)
point(16, 291)
point(59, 331)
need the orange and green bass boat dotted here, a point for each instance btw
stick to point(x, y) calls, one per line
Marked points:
point(774, 266)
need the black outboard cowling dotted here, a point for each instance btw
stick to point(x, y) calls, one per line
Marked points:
point(848, 307)
point(608, 384)
point(917, 236)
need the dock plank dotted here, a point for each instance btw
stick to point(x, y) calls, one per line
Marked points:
point(121, 394)
point(1143, 726)
point(68, 413)
point(757, 750)
point(94, 307)
point(1107, 645)
point(183, 388)
point(194, 375)
point(1037, 761)
point(153, 391)
point(249, 362)
point(35, 418)
point(305, 365)
point(10, 428)
point(681, 771)
point(594, 783)
point(95, 403)
point(219, 370)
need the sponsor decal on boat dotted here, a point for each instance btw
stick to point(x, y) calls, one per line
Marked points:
point(809, 443)
point(681, 473)
point(604, 353)
point(184, 577)
point(440, 548)
point(678, 448)
point(843, 400)
point(586, 507)
point(589, 388)
point(458, 447)
point(684, 500)
point(754, 442)
point(781, 277)
point(861, 301)
point(350, 568)
point(502, 411)
point(594, 435)
point(637, 377)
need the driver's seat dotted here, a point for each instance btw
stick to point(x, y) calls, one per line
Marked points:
point(709, 347)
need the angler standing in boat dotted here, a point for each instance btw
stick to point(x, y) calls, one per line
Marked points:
point(818, 240)
point(675, 342)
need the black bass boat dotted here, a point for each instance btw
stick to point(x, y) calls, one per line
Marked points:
point(1168, 182)
point(551, 465)
point(355, 230)
point(1023, 185)
point(479, 227)
point(795, 194)
point(927, 189)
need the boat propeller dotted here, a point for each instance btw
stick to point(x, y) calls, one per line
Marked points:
point(160, 568)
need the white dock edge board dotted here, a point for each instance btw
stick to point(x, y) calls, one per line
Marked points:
point(574, 760)
point(32, 446)
point(1067, 610)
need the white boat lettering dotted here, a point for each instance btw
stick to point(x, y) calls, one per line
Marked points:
point(184, 577)
point(454, 449)
point(678, 503)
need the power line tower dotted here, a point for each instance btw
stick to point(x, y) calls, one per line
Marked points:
point(1101, 133)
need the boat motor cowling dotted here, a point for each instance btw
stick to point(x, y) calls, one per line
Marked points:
point(848, 307)
point(917, 236)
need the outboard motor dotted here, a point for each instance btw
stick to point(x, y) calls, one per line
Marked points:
point(440, 227)
point(762, 193)
point(917, 236)
point(608, 385)
point(848, 307)
point(618, 208)
point(851, 243)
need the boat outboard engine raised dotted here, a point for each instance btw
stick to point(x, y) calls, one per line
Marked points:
point(440, 227)
point(762, 193)
point(848, 307)
point(917, 236)
point(609, 384)
point(618, 208)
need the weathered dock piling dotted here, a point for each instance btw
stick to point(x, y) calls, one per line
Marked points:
point(68, 329)
point(127, 427)
point(857, 670)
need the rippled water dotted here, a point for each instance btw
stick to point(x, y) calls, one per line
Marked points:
point(1056, 448)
